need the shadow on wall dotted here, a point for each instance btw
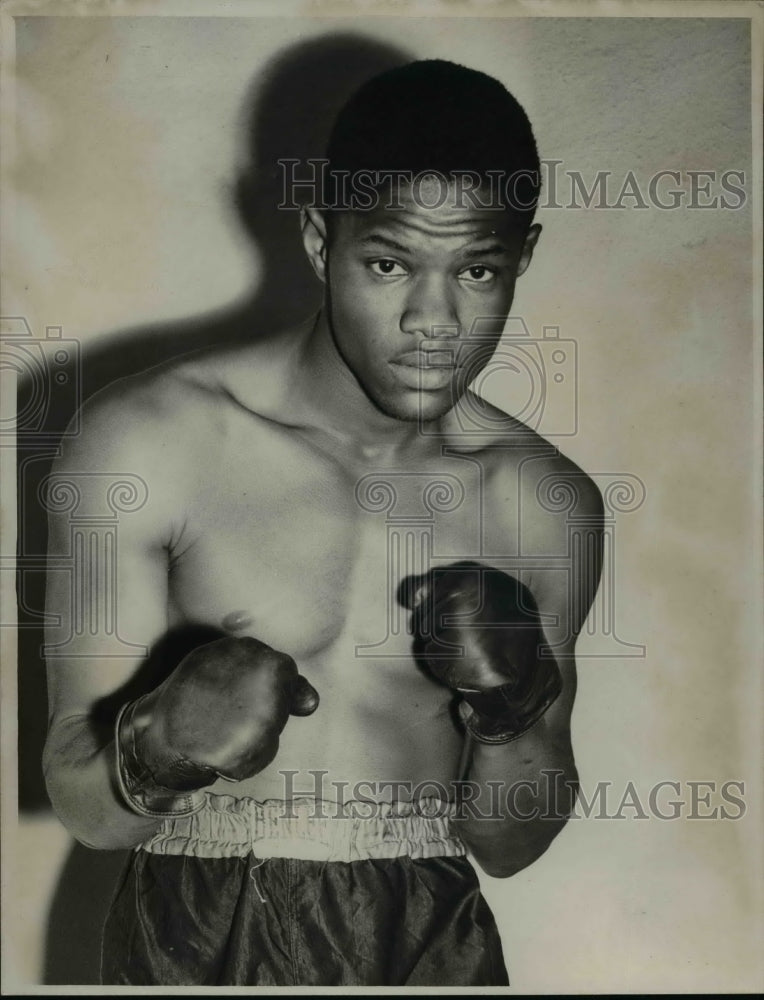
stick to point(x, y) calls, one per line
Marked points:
point(287, 113)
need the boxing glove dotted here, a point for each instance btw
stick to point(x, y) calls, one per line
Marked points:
point(477, 630)
point(219, 714)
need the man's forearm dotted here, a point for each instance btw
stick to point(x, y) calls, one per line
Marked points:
point(516, 799)
point(80, 775)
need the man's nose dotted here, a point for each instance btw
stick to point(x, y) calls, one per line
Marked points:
point(429, 310)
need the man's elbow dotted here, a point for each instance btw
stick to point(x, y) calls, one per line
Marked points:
point(78, 808)
point(89, 826)
point(511, 860)
point(78, 821)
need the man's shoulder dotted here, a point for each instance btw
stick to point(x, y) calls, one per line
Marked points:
point(543, 478)
point(560, 487)
point(542, 496)
point(145, 416)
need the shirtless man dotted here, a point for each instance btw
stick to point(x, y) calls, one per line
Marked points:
point(266, 467)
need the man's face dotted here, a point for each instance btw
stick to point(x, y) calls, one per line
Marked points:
point(418, 297)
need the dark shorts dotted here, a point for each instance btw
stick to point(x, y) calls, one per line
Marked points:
point(179, 918)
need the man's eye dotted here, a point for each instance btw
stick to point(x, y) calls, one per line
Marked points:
point(479, 273)
point(387, 268)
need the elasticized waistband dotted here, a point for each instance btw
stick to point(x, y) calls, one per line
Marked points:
point(310, 829)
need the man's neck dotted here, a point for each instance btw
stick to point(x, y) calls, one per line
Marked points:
point(326, 384)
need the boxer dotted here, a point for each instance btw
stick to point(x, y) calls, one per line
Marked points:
point(279, 785)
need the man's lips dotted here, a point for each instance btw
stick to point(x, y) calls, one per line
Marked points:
point(440, 358)
point(432, 370)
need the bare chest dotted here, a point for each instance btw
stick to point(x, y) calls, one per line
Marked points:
point(307, 552)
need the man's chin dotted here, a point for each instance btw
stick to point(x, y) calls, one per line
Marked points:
point(419, 408)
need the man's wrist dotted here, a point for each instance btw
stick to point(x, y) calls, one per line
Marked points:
point(492, 731)
point(498, 716)
point(137, 785)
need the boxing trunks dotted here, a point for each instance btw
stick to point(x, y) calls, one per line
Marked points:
point(305, 893)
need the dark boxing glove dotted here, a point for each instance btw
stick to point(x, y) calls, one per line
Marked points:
point(478, 630)
point(218, 714)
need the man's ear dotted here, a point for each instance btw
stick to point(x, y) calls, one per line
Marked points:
point(529, 246)
point(313, 225)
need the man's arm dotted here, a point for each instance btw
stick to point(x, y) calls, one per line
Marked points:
point(79, 757)
point(524, 790)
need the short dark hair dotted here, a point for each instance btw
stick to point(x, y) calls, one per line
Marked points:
point(439, 116)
